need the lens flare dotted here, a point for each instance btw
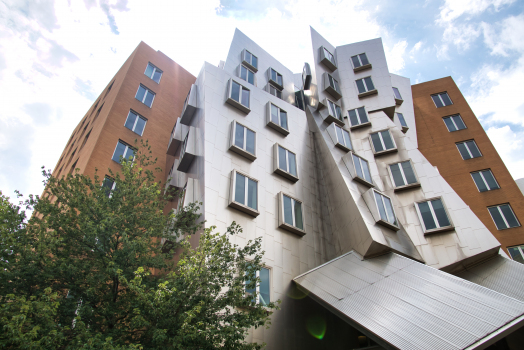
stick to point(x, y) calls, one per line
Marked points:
point(295, 293)
point(316, 326)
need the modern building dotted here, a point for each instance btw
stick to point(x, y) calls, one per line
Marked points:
point(366, 243)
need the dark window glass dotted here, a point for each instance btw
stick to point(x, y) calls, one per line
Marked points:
point(364, 59)
point(440, 213)
point(239, 136)
point(380, 205)
point(283, 119)
point(499, 221)
point(376, 142)
point(389, 209)
point(243, 72)
point(139, 127)
point(252, 194)
point(339, 135)
point(459, 122)
point(473, 149)
point(508, 214)
point(358, 167)
point(363, 115)
point(463, 151)
point(264, 286)
point(157, 75)
point(401, 119)
point(108, 186)
point(437, 101)
point(397, 94)
point(119, 151)
point(254, 61)
point(245, 97)
point(481, 185)
point(149, 98)
point(235, 91)
point(282, 164)
point(397, 175)
point(369, 83)
point(356, 62)
point(360, 86)
point(131, 119)
point(288, 211)
point(446, 99)
point(516, 254)
point(149, 70)
point(292, 163)
point(427, 217)
point(449, 124)
point(347, 140)
point(140, 93)
point(250, 141)
point(490, 179)
point(240, 189)
point(274, 114)
point(298, 215)
point(408, 172)
point(388, 142)
point(353, 117)
point(250, 77)
point(365, 167)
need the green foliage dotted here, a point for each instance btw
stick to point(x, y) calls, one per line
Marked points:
point(92, 271)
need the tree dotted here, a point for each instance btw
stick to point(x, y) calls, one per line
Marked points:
point(79, 272)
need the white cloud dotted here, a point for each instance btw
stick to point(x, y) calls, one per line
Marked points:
point(461, 35)
point(453, 9)
point(395, 56)
point(509, 145)
point(506, 36)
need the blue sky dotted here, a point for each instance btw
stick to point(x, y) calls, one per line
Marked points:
point(56, 56)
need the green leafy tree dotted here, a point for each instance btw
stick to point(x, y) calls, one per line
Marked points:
point(92, 269)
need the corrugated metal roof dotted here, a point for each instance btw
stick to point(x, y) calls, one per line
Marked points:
point(409, 305)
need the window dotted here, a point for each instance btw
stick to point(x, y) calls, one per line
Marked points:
point(454, 123)
point(485, 180)
point(383, 142)
point(277, 119)
point(397, 95)
point(291, 214)
point(327, 58)
point(285, 163)
point(244, 193)
point(262, 289)
point(343, 139)
point(331, 86)
point(275, 78)
point(434, 216)
point(107, 91)
point(402, 121)
point(274, 91)
point(239, 96)
point(503, 216)
point(153, 73)
point(123, 150)
point(403, 175)
point(85, 139)
point(135, 123)
point(98, 112)
point(108, 185)
point(468, 149)
point(358, 117)
point(335, 113)
point(365, 86)
point(247, 74)
point(243, 141)
point(362, 168)
point(385, 209)
point(517, 253)
point(250, 59)
point(441, 99)
point(145, 95)
point(360, 61)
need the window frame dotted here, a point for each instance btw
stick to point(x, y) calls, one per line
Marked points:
point(334, 136)
point(361, 125)
point(404, 125)
point(333, 90)
point(453, 121)
point(272, 124)
point(243, 207)
point(503, 217)
point(441, 99)
point(128, 146)
point(134, 125)
point(155, 68)
point(235, 103)
point(281, 220)
point(249, 63)
point(242, 151)
point(145, 96)
point(273, 82)
point(331, 115)
point(242, 65)
point(520, 248)
point(469, 151)
point(398, 101)
point(326, 60)
point(437, 229)
point(362, 66)
point(406, 186)
point(385, 151)
point(276, 163)
point(380, 220)
point(277, 91)
point(367, 92)
point(349, 161)
point(484, 179)
point(257, 288)
point(109, 194)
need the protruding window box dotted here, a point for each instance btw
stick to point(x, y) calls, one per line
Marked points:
point(327, 58)
point(177, 137)
point(381, 208)
point(334, 113)
point(285, 163)
point(247, 74)
point(331, 86)
point(306, 76)
point(190, 106)
point(275, 78)
point(360, 62)
point(250, 60)
point(398, 97)
point(242, 140)
point(403, 175)
point(243, 194)
point(382, 142)
point(276, 118)
point(238, 96)
point(291, 214)
point(434, 216)
point(188, 150)
point(175, 179)
point(340, 137)
point(358, 168)
point(321, 104)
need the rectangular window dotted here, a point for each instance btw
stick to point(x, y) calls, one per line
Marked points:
point(278, 117)
point(274, 91)
point(401, 119)
point(250, 59)
point(239, 96)
point(362, 168)
point(454, 123)
point(262, 288)
point(365, 85)
point(333, 83)
point(403, 174)
point(135, 123)
point(327, 58)
point(442, 99)
point(244, 193)
point(468, 149)
point(358, 116)
point(382, 141)
point(286, 163)
point(275, 78)
point(517, 253)
point(153, 73)
point(385, 208)
point(397, 94)
point(123, 150)
point(343, 137)
point(245, 139)
point(503, 216)
point(335, 111)
point(291, 217)
point(359, 60)
point(485, 180)
point(145, 95)
point(433, 214)
point(108, 185)
point(247, 74)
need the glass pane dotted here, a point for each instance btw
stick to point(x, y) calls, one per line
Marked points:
point(283, 119)
point(264, 286)
point(243, 72)
point(463, 151)
point(440, 213)
point(282, 164)
point(250, 141)
point(251, 77)
point(362, 115)
point(157, 76)
point(515, 254)
point(274, 114)
point(360, 86)
point(130, 122)
point(130, 154)
point(288, 212)
point(369, 83)
point(376, 142)
point(338, 112)
point(386, 137)
point(347, 140)
point(364, 59)
point(397, 94)
point(252, 194)
point(365, 167)
point(245, 97)
point(298, 215)
point(389, 209)
point(397, 176)
point(149, 98)
point(356, 62)
point(140, 93)
point(473, 149)
point(107, 186)
point(488, 176)
point(479, 182)
point(279, 79)
point(508, 214)
point(140, 124)
point(254, 61)
point(340, 138)
point(248, 57)
point(380, 205)
point(401, 119)
point(353, 117)
point(149, 70)
point(449, 124)
point(409, 173)
point(292, 163)
point(460, 123)
point(278, 93)
point(358, 168)
point(240, 189)
point(497, 218)
point(239, 136)
point(119, 151)
point(235, 91)
point(425, 212)
point(273, 75)
point(437, 101)
point(446, 99)
point(250, 291)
